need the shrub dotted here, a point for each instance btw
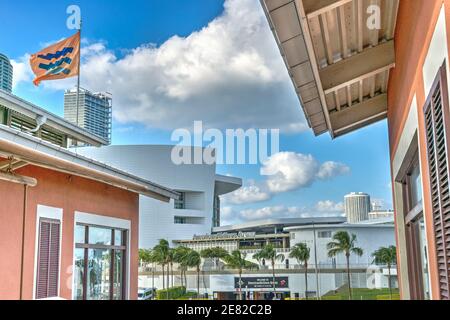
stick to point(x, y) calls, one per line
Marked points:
point(171, 293)
point(388, 297)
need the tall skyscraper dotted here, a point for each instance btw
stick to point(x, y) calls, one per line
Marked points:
point(6, 73)
point(357, 207)
point(94, 111)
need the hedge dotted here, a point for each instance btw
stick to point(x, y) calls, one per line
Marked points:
point(171, 293)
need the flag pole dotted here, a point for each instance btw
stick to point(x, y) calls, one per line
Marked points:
point(79, 67)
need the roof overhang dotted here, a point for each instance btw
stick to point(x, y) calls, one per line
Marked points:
point(26, 149)
point(30, 110)
point(226, 184)
point(338, 65)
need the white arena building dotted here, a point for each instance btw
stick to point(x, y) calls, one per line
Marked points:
point(196, 213)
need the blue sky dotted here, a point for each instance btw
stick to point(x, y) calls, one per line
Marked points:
point(169, 63)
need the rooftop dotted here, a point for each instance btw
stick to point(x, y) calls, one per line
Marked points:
point(270, 225)
point(21, 149)
point(35, 113)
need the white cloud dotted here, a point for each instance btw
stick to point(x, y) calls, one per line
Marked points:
point(331, 169)
point(21, 70)
point(263, 213)
point(247, 194)
point(289, 171)
point(229, 74)
point(328, 206)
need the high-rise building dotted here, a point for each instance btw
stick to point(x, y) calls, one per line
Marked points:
point(6, 73)
point(357, 207)
point(94, 111)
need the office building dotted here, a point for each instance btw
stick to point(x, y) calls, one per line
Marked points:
point(357, 207)
point(6, 73)
point(397, 71)
point(198, 209)
point(94, 112)
point(63, 214)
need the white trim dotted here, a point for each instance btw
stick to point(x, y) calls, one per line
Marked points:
point(109, 222)
point(47, 213)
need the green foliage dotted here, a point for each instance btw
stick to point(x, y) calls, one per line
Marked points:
point(237, 260)
point(171, 293)
point(214, 253)
point(385, 256)
point(343, 243)
point(269, 253)
point(145, 255)
point(301, 253)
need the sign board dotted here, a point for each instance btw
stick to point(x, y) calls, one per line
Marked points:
point(262, 282)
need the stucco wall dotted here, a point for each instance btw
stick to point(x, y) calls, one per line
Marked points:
point(415, 55)
point(60, 191)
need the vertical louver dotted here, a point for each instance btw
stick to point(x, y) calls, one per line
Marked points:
point(48, 259)
point(437, 129)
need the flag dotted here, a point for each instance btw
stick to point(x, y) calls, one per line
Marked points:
point(59, 61)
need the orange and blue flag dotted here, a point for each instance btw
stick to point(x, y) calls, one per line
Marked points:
point(60, 60)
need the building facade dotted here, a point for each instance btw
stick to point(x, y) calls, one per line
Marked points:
point(6, 74)
point(68, 224)
point(325, 274)
point(94, 112)
point(197, 210)
point(357, 207)
point(347, 82)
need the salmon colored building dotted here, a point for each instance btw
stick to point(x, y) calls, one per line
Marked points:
point(355, 62)
point(68, 224)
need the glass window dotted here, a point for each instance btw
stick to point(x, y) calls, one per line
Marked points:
point(180, 203)
point(324, 234)
point(99, 264)
point(80, 234)
point(100, 276)
point(99, 236)
point(117, 237)
point(78, 274)
point(118, 275)
point(416, 186)
point(424, 256)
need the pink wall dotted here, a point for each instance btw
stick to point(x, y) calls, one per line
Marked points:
point(72, 194)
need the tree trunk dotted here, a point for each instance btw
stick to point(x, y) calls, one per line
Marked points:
point(168, 276)
point(240, 285)
point(306, 280)
point(198, 281)
point(348, 277)
point(164, 277)
point(273, 278)
point(389, 281)
point(171, 272)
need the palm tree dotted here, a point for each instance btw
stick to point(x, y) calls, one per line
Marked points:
point(170, 263)
point(179, 256)
point(161, 256)
point(344, 243)
point(237, 261)
point(193, 259)
point(214, 253)
point(386, 256)
point(269, 253)
point(301, 253)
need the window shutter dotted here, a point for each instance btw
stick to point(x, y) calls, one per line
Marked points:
point(437, 121)
point(48, 259)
